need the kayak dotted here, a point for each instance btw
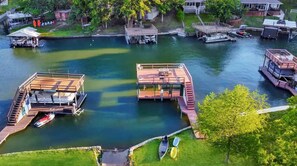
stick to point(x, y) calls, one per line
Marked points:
point(173, 152)
point(163, 147)
point(176, 141)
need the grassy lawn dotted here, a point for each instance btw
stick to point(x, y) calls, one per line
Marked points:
point(207, 17)
point(189, 20)
point(51, 158)
point(191, 152)
point(256, 21)
point(169, 22)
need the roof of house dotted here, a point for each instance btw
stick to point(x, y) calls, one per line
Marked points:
point(260, 1)
point(25, 32)
point(18, 15)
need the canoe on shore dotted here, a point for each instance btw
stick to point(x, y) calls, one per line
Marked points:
point(163, 147)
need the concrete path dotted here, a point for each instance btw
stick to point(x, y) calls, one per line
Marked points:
point(115, 157)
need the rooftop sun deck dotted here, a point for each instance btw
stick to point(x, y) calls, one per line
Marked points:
point(139, 31)
point(54, 82)
point(169, 73)
point(283, 58)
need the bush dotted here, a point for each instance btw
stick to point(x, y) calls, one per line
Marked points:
point(180, 15)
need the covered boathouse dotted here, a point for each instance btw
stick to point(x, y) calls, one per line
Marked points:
point(142, 34)
point(280, 67)
point(273, 27)
point(44, 92)
point(173, 81)
point(26, 37)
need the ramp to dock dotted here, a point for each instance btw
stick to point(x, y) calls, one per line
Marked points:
point(9, 130)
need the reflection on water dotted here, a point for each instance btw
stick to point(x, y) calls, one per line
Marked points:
point(113, 117)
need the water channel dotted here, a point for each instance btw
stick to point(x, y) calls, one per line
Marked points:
point(113, 117)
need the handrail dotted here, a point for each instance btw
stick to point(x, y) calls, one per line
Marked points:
point(57, 87)
point(165, 79)
point(14, 101)
point(191, 79)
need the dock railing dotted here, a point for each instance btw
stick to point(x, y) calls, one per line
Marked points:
point(191, 79)
point(282, 63)
point(162, 80)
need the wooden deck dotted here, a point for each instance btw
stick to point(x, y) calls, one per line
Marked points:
point(173, 73)
point(54, 82)
point(277, 83)
point(9, 130)
point(141, 31)
point(282, 58)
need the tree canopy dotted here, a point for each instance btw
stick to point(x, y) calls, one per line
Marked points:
point(279, 139)
point(227, 115)
point(224, 9)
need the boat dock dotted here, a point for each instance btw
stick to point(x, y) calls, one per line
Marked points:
point(44, 92)
point(172, 81)
point(279, 67)
point(141, 34)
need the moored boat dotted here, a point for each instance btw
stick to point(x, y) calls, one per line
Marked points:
point(44, 120)
point(163, 147)
point(217, 38)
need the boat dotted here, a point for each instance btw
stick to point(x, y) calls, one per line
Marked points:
point(163, 147)
point(217, 38)
point(176, 141)
point(173, 152)
point(240, 34)
point(44, 120)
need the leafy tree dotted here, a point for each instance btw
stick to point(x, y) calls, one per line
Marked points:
point(223, 9)
point(165, 6)
point(279, 139)
point(226, 116)
point(131, 8)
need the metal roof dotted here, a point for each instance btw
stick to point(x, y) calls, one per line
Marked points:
point(18, 15)
point(25, 32)
point(274, 23)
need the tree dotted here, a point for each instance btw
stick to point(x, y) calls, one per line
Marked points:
point(131, 8)
point(279, 138)
point(223, 9)
point(37, 7)
point(165, 6)
point(226, 116)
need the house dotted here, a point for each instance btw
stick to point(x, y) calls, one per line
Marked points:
point(62, 15)
point(255, 7)
point(194, 6)
point(152, 14)
point(3, 2)
point(262, 7)
point(19, 19)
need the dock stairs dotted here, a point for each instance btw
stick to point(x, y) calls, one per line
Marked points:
point(16, 106)
point(190, 96)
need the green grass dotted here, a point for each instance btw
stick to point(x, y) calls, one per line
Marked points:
point(192, 152)
point(206, 17)
point(189, 20)
point(50, 158)
point(256, 21)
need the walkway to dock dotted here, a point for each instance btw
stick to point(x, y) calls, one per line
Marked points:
point(9, 130)
point(273, 109)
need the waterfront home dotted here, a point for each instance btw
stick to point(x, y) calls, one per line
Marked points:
point(3, 2)
point(262, 7)
point(280, 67)
point(194, 6)
point(62, 15)
point(26, 37)
point(18, 19)
point(152, 14)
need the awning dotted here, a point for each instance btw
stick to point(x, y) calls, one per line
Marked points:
point(25, 32)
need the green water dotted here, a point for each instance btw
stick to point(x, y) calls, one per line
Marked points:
point(113, 117)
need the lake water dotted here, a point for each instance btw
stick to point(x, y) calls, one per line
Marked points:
point(113, 117)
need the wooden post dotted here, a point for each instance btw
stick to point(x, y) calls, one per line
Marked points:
point(264, 60)
point(154, 92)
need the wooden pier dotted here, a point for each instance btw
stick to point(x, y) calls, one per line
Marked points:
point(46, 93)
point(168, 81)
point(279, 67)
